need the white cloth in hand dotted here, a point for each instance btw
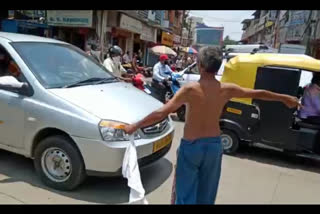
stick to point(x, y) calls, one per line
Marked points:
point(130, 170)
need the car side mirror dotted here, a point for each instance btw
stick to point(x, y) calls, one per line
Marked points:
point(12, 84)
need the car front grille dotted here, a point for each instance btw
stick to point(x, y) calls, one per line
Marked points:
point(156, 128)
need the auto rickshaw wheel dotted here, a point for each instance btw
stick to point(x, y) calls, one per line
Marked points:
point(230, 142)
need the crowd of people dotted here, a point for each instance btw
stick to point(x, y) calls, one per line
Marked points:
point(181, 61)
point(134, 63)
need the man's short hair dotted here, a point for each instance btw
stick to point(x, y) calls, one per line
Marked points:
point(210, 58)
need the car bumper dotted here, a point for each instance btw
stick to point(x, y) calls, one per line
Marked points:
point(105, 159)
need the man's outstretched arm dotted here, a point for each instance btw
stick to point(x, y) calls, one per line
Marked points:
point(239, 92)
point(179, 99)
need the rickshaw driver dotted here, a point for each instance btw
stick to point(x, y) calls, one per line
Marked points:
point(310, 113)
point(200, 151)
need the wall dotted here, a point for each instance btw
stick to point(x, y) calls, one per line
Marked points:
point(297, 24)
point(112, 18)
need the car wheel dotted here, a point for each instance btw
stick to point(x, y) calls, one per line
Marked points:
point(59, 163)
point(181, 113)
point(230, 142)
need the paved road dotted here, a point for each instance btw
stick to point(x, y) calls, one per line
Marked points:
point(252, 176)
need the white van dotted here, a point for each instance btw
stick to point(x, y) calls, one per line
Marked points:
point(292, 49)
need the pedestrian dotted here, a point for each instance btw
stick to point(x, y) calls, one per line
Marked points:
point(189, 61)
point(126, 58)
point(179, 63)
point(90, 49)
point(184, 61)
point(200, 152)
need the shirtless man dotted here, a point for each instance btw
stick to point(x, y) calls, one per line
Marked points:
point(200, 151)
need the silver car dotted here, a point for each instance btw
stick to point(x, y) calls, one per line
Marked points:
point(69, 114)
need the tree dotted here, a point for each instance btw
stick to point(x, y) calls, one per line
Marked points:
point(228, 41)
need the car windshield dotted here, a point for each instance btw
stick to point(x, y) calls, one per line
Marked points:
point(61, 65)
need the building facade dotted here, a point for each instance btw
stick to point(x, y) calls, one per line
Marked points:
point(133, 30)
point(276, 27)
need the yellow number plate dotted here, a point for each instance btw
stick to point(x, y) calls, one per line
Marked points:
point(233, 110)
point(162, 142)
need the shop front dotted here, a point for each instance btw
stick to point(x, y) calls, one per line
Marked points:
point(120, 37)
point(127, 35)
point(72, 26)
point(148, 38)
point(26, 27)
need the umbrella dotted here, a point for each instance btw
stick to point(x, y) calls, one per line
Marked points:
point(161, 49)
point(190, 50)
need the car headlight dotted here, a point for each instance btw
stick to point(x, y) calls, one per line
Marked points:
point(113, 131)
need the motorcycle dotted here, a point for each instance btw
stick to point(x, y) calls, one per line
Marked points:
point(167, 89)
point(146, 71)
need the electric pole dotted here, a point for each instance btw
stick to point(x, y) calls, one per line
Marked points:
point(189, 33)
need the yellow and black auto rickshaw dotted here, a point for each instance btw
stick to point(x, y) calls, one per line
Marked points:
point(264, 123)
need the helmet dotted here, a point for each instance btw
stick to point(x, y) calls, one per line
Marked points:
point(115, 51)
point(163, 57)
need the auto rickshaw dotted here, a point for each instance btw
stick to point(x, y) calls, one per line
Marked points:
point(269, 124)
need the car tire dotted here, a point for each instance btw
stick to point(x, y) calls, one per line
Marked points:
point(230, 142)
point(181, 113)
point(59, 163)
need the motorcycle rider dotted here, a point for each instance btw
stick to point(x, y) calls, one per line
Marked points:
point(161, 70)
point(161, 74)
point(113, 63)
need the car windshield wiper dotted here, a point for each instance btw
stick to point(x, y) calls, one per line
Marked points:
point(97, 80)
point(107, 80)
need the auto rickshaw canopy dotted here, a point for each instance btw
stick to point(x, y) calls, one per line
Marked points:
point(242, 69)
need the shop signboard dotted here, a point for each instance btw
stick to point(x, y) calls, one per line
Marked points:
point(209, 36)
point(167, 39)
point(148, 34)
point(130, 24)
point(70, 18)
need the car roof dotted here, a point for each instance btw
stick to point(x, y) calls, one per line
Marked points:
point(18, 37)
point(300, 61)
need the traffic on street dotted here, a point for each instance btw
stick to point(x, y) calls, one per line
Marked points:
point(158, 113)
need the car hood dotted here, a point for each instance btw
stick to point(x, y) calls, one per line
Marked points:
point(113, 101)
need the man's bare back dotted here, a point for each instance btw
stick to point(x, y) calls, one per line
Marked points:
point(206, 100)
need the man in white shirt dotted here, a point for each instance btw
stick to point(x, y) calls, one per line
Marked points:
point(113, 63)
point(161, 70)
point(179, 63)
